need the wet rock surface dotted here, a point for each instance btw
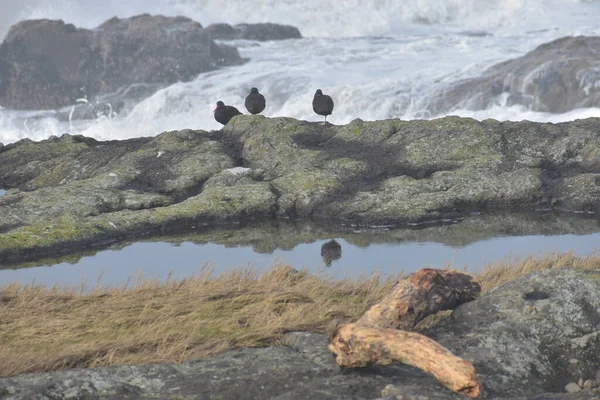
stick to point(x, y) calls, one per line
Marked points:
point(556, 77)
point(50, 64)
point(73, 191)
point(516, 352)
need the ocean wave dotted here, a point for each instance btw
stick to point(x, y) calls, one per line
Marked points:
point(369, 77)
point(341, 18)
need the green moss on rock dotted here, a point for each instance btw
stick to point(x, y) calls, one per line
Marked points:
point(389, 171)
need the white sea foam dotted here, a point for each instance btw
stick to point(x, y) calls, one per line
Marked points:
point(321, 18)
point(519, 113)
point(377, 58)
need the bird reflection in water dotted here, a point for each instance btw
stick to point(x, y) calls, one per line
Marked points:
point(330, 251)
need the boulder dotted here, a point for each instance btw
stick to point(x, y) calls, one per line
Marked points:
point(50, 64)
point(556, 77)
point(259, 32)
point(527, 339)
point(537, 333)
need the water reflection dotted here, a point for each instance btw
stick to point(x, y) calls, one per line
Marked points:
point(2, 192)
point(471, 243)
point(330, 251)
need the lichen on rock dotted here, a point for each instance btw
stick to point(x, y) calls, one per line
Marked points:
point(393, 172)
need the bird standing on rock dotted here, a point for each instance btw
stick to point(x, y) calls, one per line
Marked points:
point(255, 102)
point(322, 104)
point(224, 113)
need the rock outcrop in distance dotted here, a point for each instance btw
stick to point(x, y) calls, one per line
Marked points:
point(556, 77)
point(49, 64)
point(73, 190)
point(260, 32)
point(528, 339)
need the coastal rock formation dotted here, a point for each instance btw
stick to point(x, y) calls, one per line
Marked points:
point(555, 77)
point(73, 190)
point(48, 64)
point(259, 32)
point(524, 345)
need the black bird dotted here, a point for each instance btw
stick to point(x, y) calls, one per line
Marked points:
point(322, 104)
point(224, 113)
point(255, 102)
point(330, 251)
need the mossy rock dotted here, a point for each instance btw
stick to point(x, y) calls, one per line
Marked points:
point(391, 171)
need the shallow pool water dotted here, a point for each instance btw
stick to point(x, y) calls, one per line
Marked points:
point(469, 244)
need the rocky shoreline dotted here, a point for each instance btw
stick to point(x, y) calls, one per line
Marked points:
point(534, 338)
point(73, 191)
point(530, 338)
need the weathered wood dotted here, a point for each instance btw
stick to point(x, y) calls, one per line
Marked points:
point(423, 293)
point(375, 338)
point(359, 346)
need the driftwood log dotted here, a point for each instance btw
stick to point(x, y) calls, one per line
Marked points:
point(359, 346)
point(421, 294)
point(375, 338)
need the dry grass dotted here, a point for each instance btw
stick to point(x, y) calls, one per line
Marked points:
point(43, 329)
point(46, 329)
point(497, 273)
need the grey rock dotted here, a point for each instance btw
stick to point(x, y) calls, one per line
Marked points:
point(222, 31)
point(517, 354)
point(555, 77)
point(259, 32)
point(50, 64)
point(564, 396)
point(272, 373)
point(79, 190)
point(522, 334)
point(267, 31)
point(414, 392)
point(572, 387)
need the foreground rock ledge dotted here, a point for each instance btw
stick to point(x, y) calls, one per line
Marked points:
point(521, 345)
point(73, 191)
